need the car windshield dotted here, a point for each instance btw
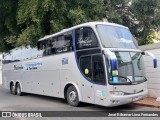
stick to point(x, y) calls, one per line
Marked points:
point(113, 36)
point(130, 68)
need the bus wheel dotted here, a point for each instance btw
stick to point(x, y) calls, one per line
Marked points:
point(18, 89)
point(12, 89)
point(72, 96)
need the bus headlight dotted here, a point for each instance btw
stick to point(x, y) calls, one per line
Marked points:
point(116, 93)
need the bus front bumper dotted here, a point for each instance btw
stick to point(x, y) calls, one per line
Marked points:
point(125, 99)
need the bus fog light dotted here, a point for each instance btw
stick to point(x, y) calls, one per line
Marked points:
point(114, 101)
point(117, 101)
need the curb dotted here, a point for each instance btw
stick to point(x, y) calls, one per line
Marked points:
point(147, 105)
point(148, 102)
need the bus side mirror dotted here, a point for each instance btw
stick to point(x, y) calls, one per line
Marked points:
point(153, 56)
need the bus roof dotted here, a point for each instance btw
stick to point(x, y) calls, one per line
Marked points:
point(82, 25)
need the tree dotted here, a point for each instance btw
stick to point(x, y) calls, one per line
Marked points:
point(42, 17)
point(8, 24)
point(141, 16)
point(23, 22)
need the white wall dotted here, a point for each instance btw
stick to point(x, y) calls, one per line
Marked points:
point(153, 74)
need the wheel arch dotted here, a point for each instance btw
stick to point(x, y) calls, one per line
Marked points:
point(67, 85)
point(11, 82)
point(19, 83)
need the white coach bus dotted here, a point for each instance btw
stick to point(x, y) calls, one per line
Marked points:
point(95, 62)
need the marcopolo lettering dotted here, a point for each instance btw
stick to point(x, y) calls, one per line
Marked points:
point(16, 67)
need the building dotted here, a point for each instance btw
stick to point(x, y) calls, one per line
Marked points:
point(153, 74)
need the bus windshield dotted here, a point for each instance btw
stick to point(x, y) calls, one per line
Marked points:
point(113, 36)
point(130, 68)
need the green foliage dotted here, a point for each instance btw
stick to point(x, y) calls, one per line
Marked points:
point(141, 16)
point(23, 22)
point(148, 39)
point(148, 14)
point(8, 23)
point(42, 17)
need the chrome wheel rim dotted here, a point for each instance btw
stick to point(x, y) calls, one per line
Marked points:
point(12, 89)
point(18, 90)
point(72, 96)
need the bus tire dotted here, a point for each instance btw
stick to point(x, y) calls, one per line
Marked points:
point(18, 89)
point(12, 89)
point(72, 96)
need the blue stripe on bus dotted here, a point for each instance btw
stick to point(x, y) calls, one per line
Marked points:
point(155, 63)
point(74, 48)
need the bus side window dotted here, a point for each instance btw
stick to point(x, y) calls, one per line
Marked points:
point(57, 44)
point(60, 43)
point(52, 45)
point(44, 47)
point(53, 42)
point(68, 41)
point(85, 65)
point(64, 42)
point(98, 69)
point(48, 43)
point(86, 38)
point(40, 45)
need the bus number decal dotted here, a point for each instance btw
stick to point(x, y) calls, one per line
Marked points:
point(64, 61)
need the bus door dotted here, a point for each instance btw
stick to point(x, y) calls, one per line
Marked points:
point(93, 90)
point(87, 89)
point(98, 71)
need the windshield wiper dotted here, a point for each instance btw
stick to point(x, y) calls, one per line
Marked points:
point(123, 82)
point(126, 78)
point(130, 82)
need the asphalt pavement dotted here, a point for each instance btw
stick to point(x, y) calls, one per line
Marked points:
point(32, 102)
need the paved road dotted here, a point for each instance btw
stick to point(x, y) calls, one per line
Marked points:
point(31, 102)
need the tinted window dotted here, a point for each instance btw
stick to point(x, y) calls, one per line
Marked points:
point(85, 64)
point(68, 41)
point(53, 45)
point(98, 69)
point(56, 44)
point(64, 42)
point(60, 44)
point(93, 68)
point(86, 38)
